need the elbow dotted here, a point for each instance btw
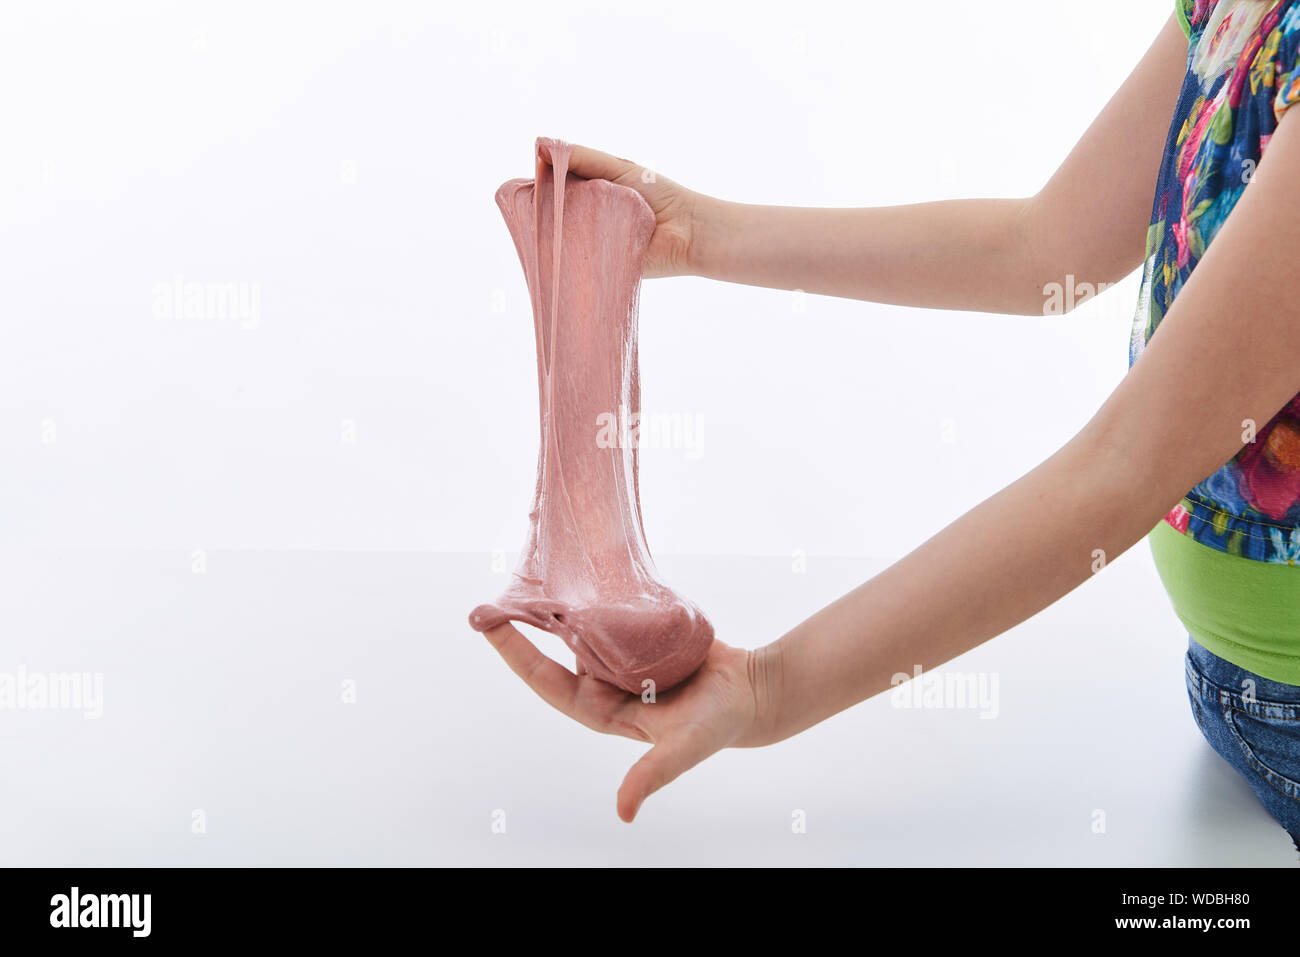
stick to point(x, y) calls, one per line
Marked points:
point(1049, 285)
point(1065, 268)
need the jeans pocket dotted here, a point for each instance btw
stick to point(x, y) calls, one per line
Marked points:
point(1198, 706)
point(1270, 745)
point(1195, 695)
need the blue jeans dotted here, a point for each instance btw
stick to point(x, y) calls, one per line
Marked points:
point(1254, 725)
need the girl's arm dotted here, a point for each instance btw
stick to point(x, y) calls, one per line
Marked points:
point(1226, 354)
point(989, 255)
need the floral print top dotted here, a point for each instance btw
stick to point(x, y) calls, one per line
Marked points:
point(1243, 72)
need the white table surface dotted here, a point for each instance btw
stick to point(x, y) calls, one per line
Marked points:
point(222, 694)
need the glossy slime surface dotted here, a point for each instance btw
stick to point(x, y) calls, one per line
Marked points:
point(586, 573)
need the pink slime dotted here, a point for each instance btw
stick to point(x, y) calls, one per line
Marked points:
point(586, 573)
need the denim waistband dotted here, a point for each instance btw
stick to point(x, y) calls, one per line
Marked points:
point(1231, 685)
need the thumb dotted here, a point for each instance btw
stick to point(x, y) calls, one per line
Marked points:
point(662, 764)
point(591, 164)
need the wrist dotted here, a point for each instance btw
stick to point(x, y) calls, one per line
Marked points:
point(764, 668)
point(707, 235)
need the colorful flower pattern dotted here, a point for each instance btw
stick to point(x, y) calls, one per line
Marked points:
point(1243, 73)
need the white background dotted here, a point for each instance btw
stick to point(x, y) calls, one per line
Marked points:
point(344, 467)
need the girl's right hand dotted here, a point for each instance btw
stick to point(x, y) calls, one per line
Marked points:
point(671, 251)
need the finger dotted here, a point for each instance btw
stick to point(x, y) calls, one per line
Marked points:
point(554, 683)
point(592, 164)
point(589, 702)
point(662, 764)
